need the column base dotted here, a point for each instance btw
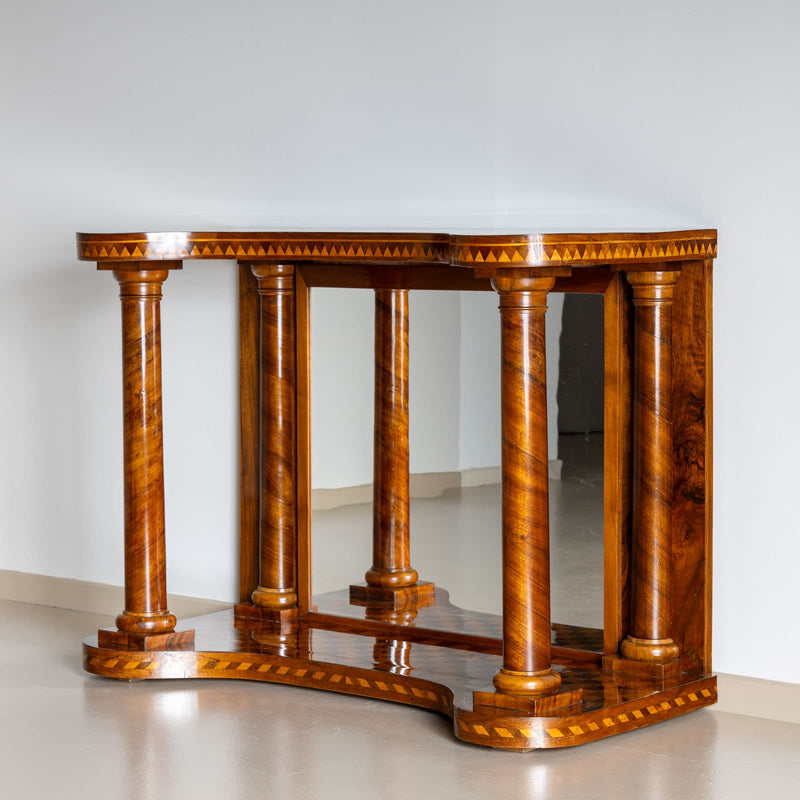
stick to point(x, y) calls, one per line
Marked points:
point(548, 706)
point(125, 640)
point(146, 623)
point(658, 651)
point(278, 620)
point(543, 682)
point(386, 579)
point(274, 598)
point(642, 669)
point(422, 593)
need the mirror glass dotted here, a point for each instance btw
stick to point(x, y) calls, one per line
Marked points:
point(455, 448)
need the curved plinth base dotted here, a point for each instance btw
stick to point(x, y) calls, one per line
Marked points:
point(394, 664)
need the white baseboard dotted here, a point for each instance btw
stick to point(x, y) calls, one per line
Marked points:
point(421, 484)
point(94, 598)
point(756, 697)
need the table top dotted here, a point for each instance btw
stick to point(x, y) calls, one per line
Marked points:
point(499, 250)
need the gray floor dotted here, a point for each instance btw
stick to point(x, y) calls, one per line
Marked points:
point(65, 734)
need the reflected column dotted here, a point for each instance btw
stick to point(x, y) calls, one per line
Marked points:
point(275, 597)
point(391, 577)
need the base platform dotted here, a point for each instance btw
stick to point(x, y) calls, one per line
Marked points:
point(395, 659)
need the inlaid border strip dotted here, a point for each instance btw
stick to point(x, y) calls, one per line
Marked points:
point(479, 727)
point(464, 251)
point(568, 731)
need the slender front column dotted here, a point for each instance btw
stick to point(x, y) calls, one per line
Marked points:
point(277, 524)
point(145, 545)
point(391, 567)
point(651, 579)
point(527, 668)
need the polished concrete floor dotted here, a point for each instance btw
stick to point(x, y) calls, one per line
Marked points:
point(65, 734)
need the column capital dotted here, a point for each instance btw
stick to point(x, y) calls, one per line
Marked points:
point(656, 286)
point(272, 277)
point(523, 293)
point(141, 283)
point(139, 266)
point(503, 283)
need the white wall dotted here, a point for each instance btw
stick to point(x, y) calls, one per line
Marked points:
point(434, 114)
point(479, 378)
point(342, 394)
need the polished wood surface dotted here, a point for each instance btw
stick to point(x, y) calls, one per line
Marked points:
point(145, 616)
point(517, 682)
point(692, 413)
point(344, 247)
point(442, 622)
point(504, 251)
point(302, 300)
point(526, 528)
point(143, 454)
point(391, 576)
point(391, 523)
point(429, 674)
point(617, 459)
point(650, 637)
point(249, 433)
point(497, 251)
point(277, 586)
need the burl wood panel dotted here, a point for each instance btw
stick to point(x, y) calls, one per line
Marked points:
point(691, 466)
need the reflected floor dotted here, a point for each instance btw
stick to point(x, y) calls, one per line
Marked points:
point(456, 540)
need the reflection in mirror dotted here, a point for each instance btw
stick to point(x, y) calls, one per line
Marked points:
point(576, 500)
point(455, 538)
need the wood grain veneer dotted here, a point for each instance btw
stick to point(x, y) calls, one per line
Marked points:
point(517, 682)
point(526, 527)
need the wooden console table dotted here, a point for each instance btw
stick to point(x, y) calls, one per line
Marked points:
point(518, 682)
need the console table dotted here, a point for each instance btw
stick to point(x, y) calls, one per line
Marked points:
point(520, 681)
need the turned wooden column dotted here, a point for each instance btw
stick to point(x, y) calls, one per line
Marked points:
point(391, 576)
point(527, 667)
point(650, 638)
point(391, 567)
point(277, 524)
point(145, 544)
